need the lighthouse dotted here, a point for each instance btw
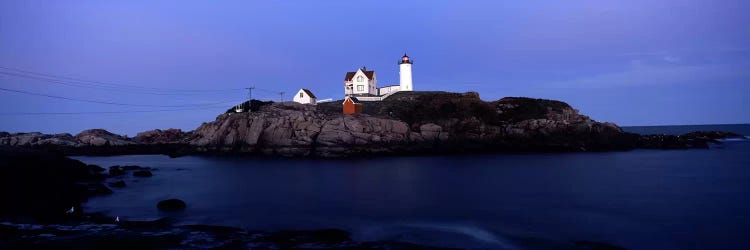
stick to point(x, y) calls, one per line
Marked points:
point(405, 73)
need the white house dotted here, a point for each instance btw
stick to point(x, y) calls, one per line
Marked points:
point(305, 96)
point(364, 85)
point(361, 82)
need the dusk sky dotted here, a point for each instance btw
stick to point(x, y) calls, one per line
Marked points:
point(632, 62)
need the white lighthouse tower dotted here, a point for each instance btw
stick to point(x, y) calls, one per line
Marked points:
point(405, 73)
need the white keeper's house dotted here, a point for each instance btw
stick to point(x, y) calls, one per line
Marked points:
point(363, 83)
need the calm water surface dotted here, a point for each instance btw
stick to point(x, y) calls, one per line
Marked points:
point(643, 199)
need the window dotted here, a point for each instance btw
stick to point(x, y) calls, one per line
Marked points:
point(300, 95)
point(359, 78)
point(360, 87)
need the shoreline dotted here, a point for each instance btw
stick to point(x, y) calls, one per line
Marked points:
point(692, 140)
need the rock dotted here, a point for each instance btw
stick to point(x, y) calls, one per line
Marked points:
point(711, 135)
point(97, 189)
point(404, 123)
point(698, 139)
point(131, 167)
point(171, 205)
point(37, 139)
point(430, 131)
point(169, 136)
point(142, 173)
point(99, 233)
point(116, 171)
point(101, 137)
point(42, 185)
point(96, 168)
point(118, 184)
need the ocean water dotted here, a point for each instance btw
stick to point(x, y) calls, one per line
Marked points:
point(641, 199)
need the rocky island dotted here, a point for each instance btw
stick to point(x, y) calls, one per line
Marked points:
point(405, 123)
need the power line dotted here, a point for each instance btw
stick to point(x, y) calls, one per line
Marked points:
point(268, 90)
point(100, 83)
point(81, 85)
point(106, 112)
point(76, 82)
point(109, 103)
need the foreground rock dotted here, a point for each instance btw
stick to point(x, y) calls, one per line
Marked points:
point(171, 205)
point(45, 186)
point(160, 234)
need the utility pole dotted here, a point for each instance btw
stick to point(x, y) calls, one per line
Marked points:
point(281, 96)
point(250, 93)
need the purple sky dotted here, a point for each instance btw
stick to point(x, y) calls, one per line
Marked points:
point(630, 62)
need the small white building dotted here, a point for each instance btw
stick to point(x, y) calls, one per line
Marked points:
point(305, 96)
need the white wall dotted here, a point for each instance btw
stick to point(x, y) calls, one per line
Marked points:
point(388, 89)
point(304, 98)
point(360, 87)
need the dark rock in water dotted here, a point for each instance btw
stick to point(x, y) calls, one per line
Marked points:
point(171, 205)
point(143, 173)
point(711, 135)
point(97, 189)
point(698, 139)
point(96, 168)
point(129, 168)
point(117, 184)
point(116, 171)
